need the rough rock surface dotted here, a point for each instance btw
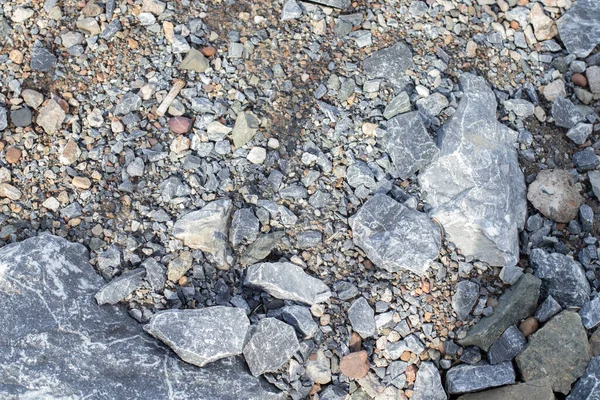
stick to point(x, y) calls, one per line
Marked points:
point(120, 287)
point(466, 378)
point(579, 29)
point(390, 63)
point(554, 194)
point(558, 352)
point(271, 345)
point(508, 346)
point(590, 313)
point(478, 166)
point(464, 298)
point(47, 299)
point(588, 386)
point(362, 318)
point(534, 390)
point(428, 385)
point(394, 237)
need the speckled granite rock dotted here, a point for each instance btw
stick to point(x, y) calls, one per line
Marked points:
point(466, 378)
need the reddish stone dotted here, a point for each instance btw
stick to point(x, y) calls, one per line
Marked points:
point(529, 326)
point(208, 51)
point(12, 155)
point(579, 80)
point(355, 365)
point(355, 342)
point(180, 125)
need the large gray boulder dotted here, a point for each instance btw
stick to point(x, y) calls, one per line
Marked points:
point(395, 237)
point(579, 28)
point(476, 186)
point(57, 342)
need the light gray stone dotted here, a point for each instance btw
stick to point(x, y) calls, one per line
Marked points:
point(428, 384)
point(578, 28)
point(590, 313)
point(246, 126)
point(318, 368)
point(466, 378)
point(271, 345)
point(508, 345)
point(432, 106)
point(342, 4)
point(399, 104)
point(155, 274)
point(478, 166)
point(521, 108)
point(300, 318)
point(362, 318)
point(580, 132)
point(588, 386)
point(50, 117)
point(565, 113)
point(359, 173)
point(128, 103)
point(3, 118)
point(390, 63)
point(308, 239)
point(555, 194)
point(291, 10)
point(465, 297)
point(120, 287)
point(594, 177)
point(394, 237)
point(194, 60)
point(287, 281)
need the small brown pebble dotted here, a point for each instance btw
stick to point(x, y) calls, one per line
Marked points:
point(514, 24)
point(405, 356)
point(12, 155)
point(529, 326)
point(183, 281)
point(411, 373)
point(16, 56)
point(355, 342)
point(316, 388)
point(579, 80)
point(208, 51)
point(355, 365)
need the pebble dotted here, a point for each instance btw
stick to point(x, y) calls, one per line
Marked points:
point(12, 155)
point(355, 365)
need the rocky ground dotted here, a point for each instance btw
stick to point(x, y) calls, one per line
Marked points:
point(327, 199)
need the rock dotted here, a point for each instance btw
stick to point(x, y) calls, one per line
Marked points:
point(428, 385)
point(580, 132)
point(534, 390)
point(516, 303)
point(471, 173)
point(287, 281)
point(595, 343)
point(578, 28)
point(21, 117)
point(529, 326)
point(21, 14)
point(355, 365)
point(332, 392)
point(136, 167)
point(362, 318)
point(300, 318)
point(3, 119)
point(179, 45)
point(565, 113)
point(69, 153)
point(590, 313)
point(586, 217)
point(206, 229)
point(508, 346)
point(579, 80)
point(465, 378)
point(593, 78)
point(155, 7)
point(543, 26)
point(588, 386)
point(194, 60)
point(89, 25)
point(180, 125)
point(9, 191)
point(291, 10)
point(80, 340)
point(548, 309)
point(394, 237)
point(308, 239)
point(51, 117)
point(433, 105)
point(359, 173)
point(342, 4)
point(261, 247)
point(244, 227)
point(257, 155)
point(521, 108)
point(155, 274)
point(554, 90)
point(465, 297)
point(179, 266)
point(554, 193)
point(271, 345)
point(120, 287)
point(12, 155)
point(586, 159)
point(129, 103)
point(201, 336)
point(51, 203)
point(471, 355)
point(594, 177)
point(399, 104)
point(390, 63)
point(558, 352)
point(409, 145)
point(562, 278)
point(318, 368)
point(246, 126)
point(42, 59)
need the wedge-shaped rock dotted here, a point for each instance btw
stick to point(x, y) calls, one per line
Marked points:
point(558, 352)
point(535, 390)
point(409, 145)
point(395, 237)
point(51, 117)
point(476, 186)
point(588, 386)
point(246, 126)
point(120, 287)
point(69, 347)
point(287, 281)
point(201, 336)
point(428, 385)
point(206, 229)
point(390, 63)
point(272, 344)
point(579, 29)
point(466, 378)
point(516, 303)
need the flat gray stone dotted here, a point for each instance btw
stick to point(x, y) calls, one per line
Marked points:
point(362, 318)
point(291, 10)
point(300, 318)
point(390, 63)
point(120, 287)
point(588, 386)
point(432, 105)
point(3, 118)
point(399, 104)
point(155, 274)
point(395, 237)
point(261, 247)
point(548, 309)
point(558, 352)
point(534, 390)
point(194, 60)
point(47, 289)
point(516, 303)
point(287, 281)
point(409, 145)
point(428, 384)
point(42, 59)
point(590, 313)
point(466, 378)
point(555, 194)
point(271, 345)
point(578, 28)
point(521, 108)
point(508, 345)
point(565, 113)
point(246, 126)
point(244, 227)
point(201, 336)
point(477, 166)
point(128, 103)
point(580, 132)
point(562, 278)
point(465, 297)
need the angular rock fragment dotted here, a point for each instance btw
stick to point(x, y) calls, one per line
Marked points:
point(300, 318)
point(194, 61)
point(342, 4)
point(465, 297)
point(508, 346)
point(565, 113)
point(244, 227)
point(246, 126)
point(554, 193)
point(548, 309)
point(362, 318)
point(478, 166)
point(516, 303)
point(51, 117)
point(355, 365)
point(318, 368)
point(588, 386)
point(562, 278)
point(271, 345)
point(42, 59)
point(201, 336)
point(580, 132)
point(3, 118)
point(291, 10)
point(465, 378)
point(155, 274)
point(399, 104)
point(409, 145)
point(558, 352)
point(428, 385)
point(394, 237)
point(128, 103)
point(120, 287)
point(534, 390)
point(579, 29)
point(390, 63)
point(590, 313)
point(287, 281)
point(261, 247)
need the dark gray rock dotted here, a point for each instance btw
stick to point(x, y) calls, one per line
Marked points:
point(428, 384)
point(478, 166)
point(342, 4)
point(565, 113)
point(465, 378)
point(47, 299)
point(120, 287)
point(580, 132)
point(300, 318)
point(287, 281)
point(359, 173)
point(390, 63)
point(201, 336)
point(261, 247)
point(534, 390)
point(465, 297)
point(586, 159)
point(291, 10)
point(244, 227)
point(590, 313)
point(586, 216)
point(362, 318)
point(308, 239)
point(518, 302)
point(21, 117)
point(111, 29)
point(578, 28)
point(558, 352)
point(271, 345)
point(394, 237)
point(562, 278)
point(399, 104)
point(471, 355)
point(42, 59)
point(508, 346)
point(333, 392)
point(156, 274)
point(588, 386)
point(128, 103)
point(548, 309)
point(409, 145)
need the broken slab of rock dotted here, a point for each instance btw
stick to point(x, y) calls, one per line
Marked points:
point(271, 345)
point(246, 126)
point(579, 29)
point(408, 144)
point(508, 345)
point(300, 318)
point(342, 4)
point(395, 237)
point(555, 194)
point(201, 336)
point(47, 289)
point(50, 117)
point(558, 352)
point(590, 313)
point(534, 390)
point(287, 281)
point(362, 318)
point(466, 378)
point(465, 297)
point(206, 230)
point(518, 302)
point(120, 287)
point(588, 386)
point(428, 384)
point(477, 166)
point(390, 63)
